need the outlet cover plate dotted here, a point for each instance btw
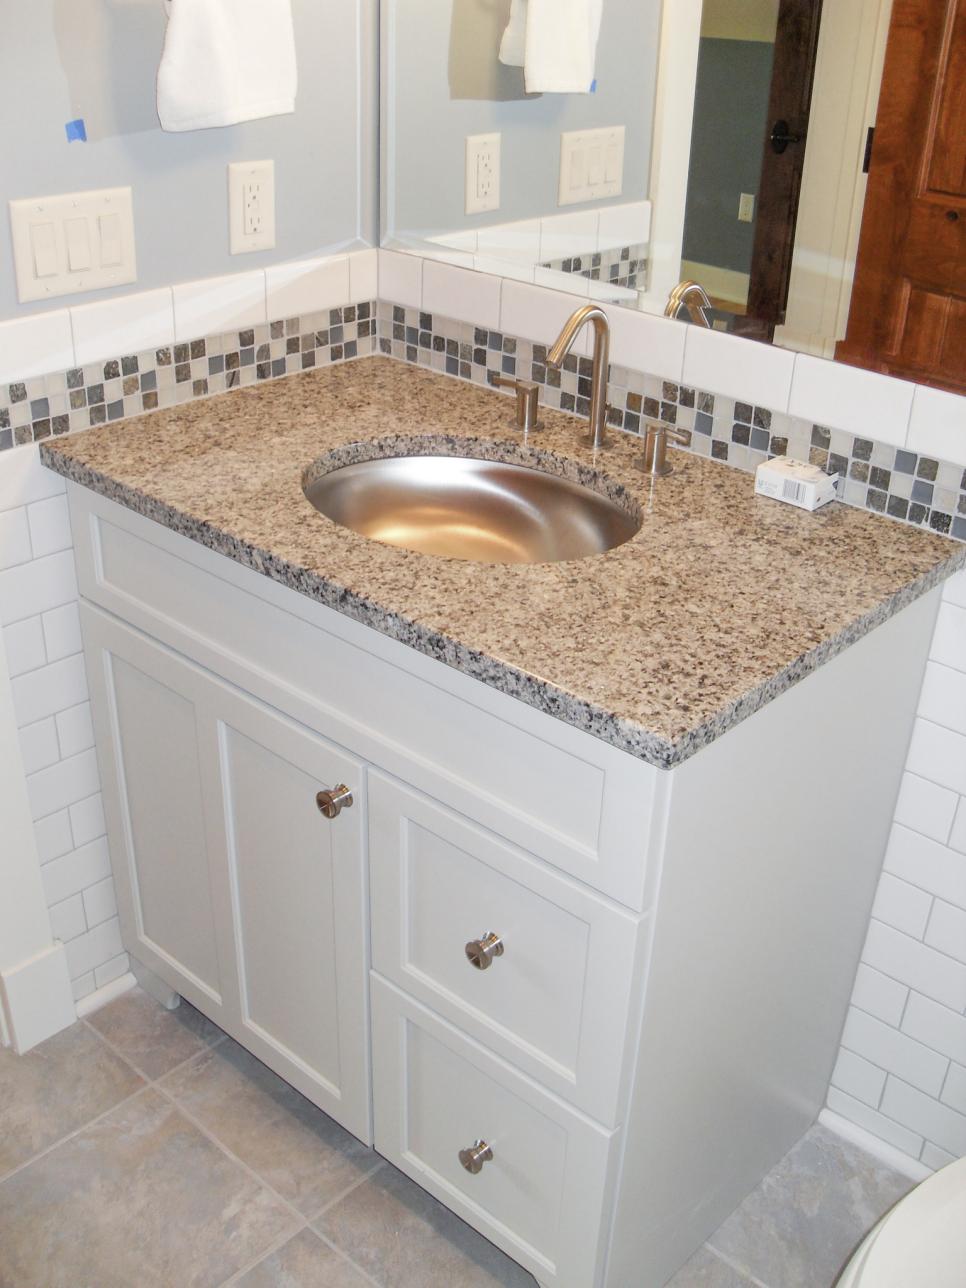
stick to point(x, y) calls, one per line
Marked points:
point(251, 206)
point(482, 173)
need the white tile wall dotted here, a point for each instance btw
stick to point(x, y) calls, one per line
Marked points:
point(901, 1073)
point(38, 612)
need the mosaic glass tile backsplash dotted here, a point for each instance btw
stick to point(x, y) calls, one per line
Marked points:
point(895, 482)
point(622, 266)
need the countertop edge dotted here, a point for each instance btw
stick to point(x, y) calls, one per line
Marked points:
point(624, 735)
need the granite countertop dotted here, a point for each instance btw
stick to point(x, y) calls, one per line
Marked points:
point(722, 600)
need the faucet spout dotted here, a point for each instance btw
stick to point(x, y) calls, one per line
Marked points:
point(601, 363)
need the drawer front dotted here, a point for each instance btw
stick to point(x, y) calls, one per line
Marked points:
point(554, 995)
point(562, 794)
point(541, 1195)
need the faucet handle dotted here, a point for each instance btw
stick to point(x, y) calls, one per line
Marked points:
point(528, 399)
point(655, 448)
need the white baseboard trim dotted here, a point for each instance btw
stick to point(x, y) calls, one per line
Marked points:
point(101, 996)
point(879, 1149)
point(37, 999)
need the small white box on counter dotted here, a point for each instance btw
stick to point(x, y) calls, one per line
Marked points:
point(795, 482)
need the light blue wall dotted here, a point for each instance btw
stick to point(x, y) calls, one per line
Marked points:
point(443, 50)
point(98, 59)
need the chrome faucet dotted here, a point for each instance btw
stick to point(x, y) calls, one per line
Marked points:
point(601, 363)
point(693, 297)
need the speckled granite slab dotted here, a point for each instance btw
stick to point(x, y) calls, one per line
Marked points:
point(722, 601)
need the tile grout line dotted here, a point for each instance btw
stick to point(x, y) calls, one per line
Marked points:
point(736, 1266)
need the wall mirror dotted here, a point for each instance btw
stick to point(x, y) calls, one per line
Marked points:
point(725, 141)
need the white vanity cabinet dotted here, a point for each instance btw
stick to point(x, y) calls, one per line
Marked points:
point(605, 998)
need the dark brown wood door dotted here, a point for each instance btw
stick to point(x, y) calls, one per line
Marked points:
point(908, 310)
point(796, 46)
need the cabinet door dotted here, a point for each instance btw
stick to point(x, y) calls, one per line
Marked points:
point(232, 884)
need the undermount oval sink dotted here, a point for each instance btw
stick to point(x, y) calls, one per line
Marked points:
point(464, 508)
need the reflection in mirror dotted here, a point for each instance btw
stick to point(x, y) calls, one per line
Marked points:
point(723, 142)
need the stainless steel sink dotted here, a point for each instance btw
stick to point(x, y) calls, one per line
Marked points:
point(464, 508)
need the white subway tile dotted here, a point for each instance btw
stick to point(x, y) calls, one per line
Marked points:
point(894, 1051)
point(954, 1092)
point(947, 930)
point(75, 729)
point(122, 325)
point(306, 286)
point(67, 919)
point(938, 754)
point(937, 426)
point(35, 345)
point(457, 293)
point(913, 963)
point(401, 279)
point(75, 871)
point(466, 239)
point(937, 1026)
point(891, 1132)
point(902, 905)
point(879, 995)
point(934, 1157)
point(62, 632)
point(957, 837)
point(49, 526)
point(38, 746)
point(63, 784)
point(570, 234)
point(363, 276)
point(50, 689)
point(938, 1123)
point(25, 646)
point(111, 970)
point(53, 836)
point(517, 243)
point(83, 986)
point(954, 589)
point(87, 820)
point(219, 304)
point(626, 225)
point(94, 948)
point(14, 538)
point(100, 902)
point(737, 368)
point(851, 398)
point(857, 1077)
point(515, 270)
point(538, 314)
point(925, 807)
point(554, 279)
point(644, 342)
point(949, 640)
point(926, 864)
point(33, 588)
point(943, 697)
point(23, 479)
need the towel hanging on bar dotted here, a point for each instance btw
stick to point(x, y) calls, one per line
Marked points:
point(555, 42)
point(226, 61)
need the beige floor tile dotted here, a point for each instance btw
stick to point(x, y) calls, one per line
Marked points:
point(55, 1089)
point(303, 1262)
point(403, 1238)
point(149, 1036)
point(705, 1270)
point(292, 1145)
point(142, 1198)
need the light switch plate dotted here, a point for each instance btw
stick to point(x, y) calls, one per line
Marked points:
point(251, 204)
point(76, 241)
point(746, 208)
point(591, 165)
point(482, 173)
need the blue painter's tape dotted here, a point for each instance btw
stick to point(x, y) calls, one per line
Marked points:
point(76, 131)
point(593, 86)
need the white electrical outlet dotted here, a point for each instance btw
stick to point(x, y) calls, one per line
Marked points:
point(251, 204)
point(746, 207)
point(482, 173)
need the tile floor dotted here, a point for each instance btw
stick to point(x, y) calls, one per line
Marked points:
point(143, 1148)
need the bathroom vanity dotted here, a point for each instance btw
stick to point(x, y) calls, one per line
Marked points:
point(550, 880)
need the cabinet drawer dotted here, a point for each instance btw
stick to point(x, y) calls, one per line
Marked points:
point(542, 1194)
point(557, 999)
point(570, 798)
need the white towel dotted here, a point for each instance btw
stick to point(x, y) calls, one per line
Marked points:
point(555, 42)
point(226, 61)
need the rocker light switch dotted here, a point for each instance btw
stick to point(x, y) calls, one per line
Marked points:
point(43, 240)
point(78, 241)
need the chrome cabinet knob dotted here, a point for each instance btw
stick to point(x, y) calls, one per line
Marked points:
point(472, 1159)
point(480, 952)
point(332, 803)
